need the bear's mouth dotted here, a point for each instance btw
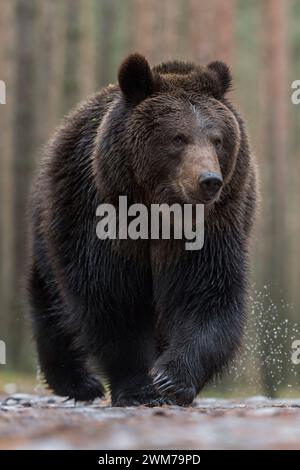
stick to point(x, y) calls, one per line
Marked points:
point(211, 200)
point(207, 201)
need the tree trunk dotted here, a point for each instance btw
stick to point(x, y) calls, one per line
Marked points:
point(50, 65)
point(6, 170)
point(87, 66)
point(276, 89)
point(146, 33)
point(211, 30)
point(224, 30)
point(105, 17)
point(169, 29)
point(71, 88)
point(23, 151)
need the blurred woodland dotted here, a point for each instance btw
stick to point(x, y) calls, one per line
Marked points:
point(53, 53)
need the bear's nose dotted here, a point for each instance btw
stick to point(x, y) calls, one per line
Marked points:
point(210, 183)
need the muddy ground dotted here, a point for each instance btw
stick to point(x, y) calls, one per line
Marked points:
point(36, 422)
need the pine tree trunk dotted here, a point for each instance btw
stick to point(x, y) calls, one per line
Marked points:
point(23, 152)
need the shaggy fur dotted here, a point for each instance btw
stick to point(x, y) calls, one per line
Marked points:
point(156, 320)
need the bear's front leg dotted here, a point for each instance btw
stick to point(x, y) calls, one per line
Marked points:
point(200, 347)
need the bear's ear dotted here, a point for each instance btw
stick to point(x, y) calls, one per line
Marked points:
point(223, 75)
point(135, 78)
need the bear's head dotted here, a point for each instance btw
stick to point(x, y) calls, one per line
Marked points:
point(176, 138)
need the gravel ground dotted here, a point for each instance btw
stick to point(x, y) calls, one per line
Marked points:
point(48, 422)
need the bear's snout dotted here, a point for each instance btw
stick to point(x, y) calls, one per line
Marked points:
point(210, 184)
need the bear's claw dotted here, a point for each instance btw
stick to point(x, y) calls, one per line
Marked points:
point(146, 396)
point(173, 386)
point(85, 388)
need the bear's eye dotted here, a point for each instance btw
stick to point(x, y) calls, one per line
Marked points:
point(217, 141)
point(179, 140)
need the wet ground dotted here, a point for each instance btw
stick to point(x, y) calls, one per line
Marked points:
point(35, 422)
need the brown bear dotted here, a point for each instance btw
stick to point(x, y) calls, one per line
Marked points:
point(157, 321)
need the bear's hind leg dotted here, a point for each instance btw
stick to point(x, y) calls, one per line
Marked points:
point(127, 369)
point(63, 364)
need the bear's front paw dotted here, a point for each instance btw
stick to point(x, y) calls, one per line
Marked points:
point(81, 388)
point(171, 383)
